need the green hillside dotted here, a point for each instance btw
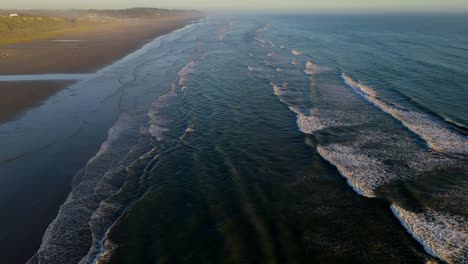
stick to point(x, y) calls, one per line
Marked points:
point(23, 29)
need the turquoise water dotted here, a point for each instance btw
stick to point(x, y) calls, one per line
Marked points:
point(270, 139)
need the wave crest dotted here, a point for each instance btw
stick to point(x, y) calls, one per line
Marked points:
point(443, 235)
point(438, 136)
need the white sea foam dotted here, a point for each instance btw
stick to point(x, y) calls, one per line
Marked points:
point(157, 123)
point(261, 41)
point(368, 168)
point(122, 124)
point(279, 90)
point(315, 120)
point(264, 28)
point(255, 69)
point(296, 52)
point(308, 124)
point(295, 62)
point(185, 71)
point(312, 69)
point(363, 172)
point(221, 35)
point(443, 235)
point(438, 136)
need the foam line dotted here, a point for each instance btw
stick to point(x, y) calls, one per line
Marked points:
point(437, 135)
point(363, 173)
point(443, 235)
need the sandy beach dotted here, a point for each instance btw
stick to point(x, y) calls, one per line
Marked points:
point(81, 52)
point(94, 50)
point(15, 97)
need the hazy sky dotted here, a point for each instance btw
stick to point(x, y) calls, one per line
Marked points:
point(266, 5)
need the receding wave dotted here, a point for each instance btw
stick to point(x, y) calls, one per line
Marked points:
point(158, 123)
point(108, 183)
point(438, 136)
point(443, 235)
point(69, 236)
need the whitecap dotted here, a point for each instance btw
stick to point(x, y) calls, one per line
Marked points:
point(312, 69)
point(443, 235)
point(296, 52)
point(363, 172)
point(438, 136)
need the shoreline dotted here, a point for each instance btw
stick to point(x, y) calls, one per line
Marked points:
point(22, 245)
point(74, 53)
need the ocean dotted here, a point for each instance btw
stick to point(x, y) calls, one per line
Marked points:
point(266, 139)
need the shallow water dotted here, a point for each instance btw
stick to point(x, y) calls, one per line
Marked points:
point(270, 139)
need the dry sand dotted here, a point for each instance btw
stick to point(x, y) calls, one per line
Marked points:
point(94, 50)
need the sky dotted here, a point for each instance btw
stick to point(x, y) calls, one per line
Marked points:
point(250, 5)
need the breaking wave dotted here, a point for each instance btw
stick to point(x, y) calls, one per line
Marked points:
point(442, 235)
point(111, 180)
point(370, 157)
point(296, 52)
point(158, 123)
point(363, 172)
point(438, 136)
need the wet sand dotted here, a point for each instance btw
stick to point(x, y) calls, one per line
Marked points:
point(16, 97)
point(83, 52)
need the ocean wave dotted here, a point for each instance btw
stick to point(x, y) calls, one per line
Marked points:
point(69, 236)
point(316, 120)
point(296, 52)
point(363, 172)
point(158, 124)
point(253, 68)
point(396, 158)
point(113, 134)
point(443, 235)
point(105, 187)
point(294, 62)
point(279, 90)
point(264, 28)
point(261, 40)
point(312, 69)
point(221, 35)
point(185, 71)
point(438, 136)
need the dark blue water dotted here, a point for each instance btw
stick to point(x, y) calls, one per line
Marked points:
point(270, 139)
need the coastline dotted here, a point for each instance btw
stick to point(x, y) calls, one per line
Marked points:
point(79, 52)
point(26, 244)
